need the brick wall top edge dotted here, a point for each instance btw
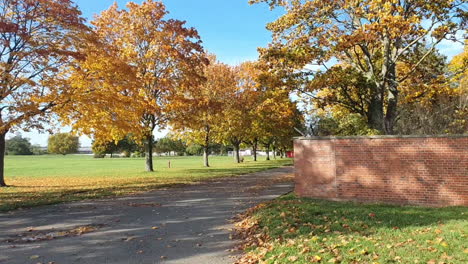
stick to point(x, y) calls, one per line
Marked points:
point(381, 137)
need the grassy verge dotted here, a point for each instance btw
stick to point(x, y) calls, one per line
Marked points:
point(40, 180)
point(293, 230)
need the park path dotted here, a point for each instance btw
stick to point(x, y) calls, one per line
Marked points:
point(189, 224)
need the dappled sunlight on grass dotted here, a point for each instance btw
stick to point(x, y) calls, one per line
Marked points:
point(39, 180)
point(295, 230)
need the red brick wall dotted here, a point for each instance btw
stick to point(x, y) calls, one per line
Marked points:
point(405, 170)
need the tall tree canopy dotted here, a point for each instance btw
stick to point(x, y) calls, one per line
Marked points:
point(142, 60)
point(369, 36)
point(38, 39)
point(197, 112)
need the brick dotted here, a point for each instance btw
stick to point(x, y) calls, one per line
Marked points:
point(430, 171)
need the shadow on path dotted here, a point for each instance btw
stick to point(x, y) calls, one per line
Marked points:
point(181, 225)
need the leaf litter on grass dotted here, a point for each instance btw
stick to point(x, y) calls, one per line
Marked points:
point(294, 230)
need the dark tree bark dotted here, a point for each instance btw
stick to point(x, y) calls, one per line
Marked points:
point(375, 114)
point(236, 144)
point(254, 149)
point(392, 105)
point(267, 146)
point(149, 153)
point(2, 159)
point(274, 152)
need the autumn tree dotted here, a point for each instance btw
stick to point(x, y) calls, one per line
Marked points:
point(258, 114)
point(142, 58)
point(197, 112)
point(370, 36)
point(249, 86)
point(277, 118)
point(459, 69)
point(240, 110)
point(430, 97)
point(101, 148)
point(234, 126)
point(126, 146)
point(429, 101)
point(63, 143)
point(39, 38)
point(288, 129)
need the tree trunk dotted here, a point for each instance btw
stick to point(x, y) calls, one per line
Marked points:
point(206, 147)
point(237, 152)
point(267, 146)
point(391, 115)
point(2, 159)
point(205, 156)
point(274, 152)
point(149, 153)
point(254, 149)
point(375, 115)
point(392, 106)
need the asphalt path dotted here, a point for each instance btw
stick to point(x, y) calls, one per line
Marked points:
point(189, 224)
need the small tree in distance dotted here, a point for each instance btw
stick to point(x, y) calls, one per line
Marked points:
point(18, 145)
point(124, 146)
point(63, 143)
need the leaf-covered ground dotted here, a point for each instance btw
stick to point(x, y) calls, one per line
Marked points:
point(40, 180)
point(296, 230)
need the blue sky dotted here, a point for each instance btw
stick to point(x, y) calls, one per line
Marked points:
point(231, 29)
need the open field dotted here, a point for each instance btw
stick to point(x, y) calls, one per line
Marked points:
point(293, 230)
point(40, 180)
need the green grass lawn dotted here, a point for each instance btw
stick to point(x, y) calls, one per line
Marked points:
point(293, 230)
point(39, 180)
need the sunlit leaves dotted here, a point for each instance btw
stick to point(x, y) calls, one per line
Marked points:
point(198, 111)
point(141, 61)
point(371, 36)
point(39, 38)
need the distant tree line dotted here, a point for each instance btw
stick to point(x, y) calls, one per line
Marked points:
point(61, 143)
point(168, 145)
